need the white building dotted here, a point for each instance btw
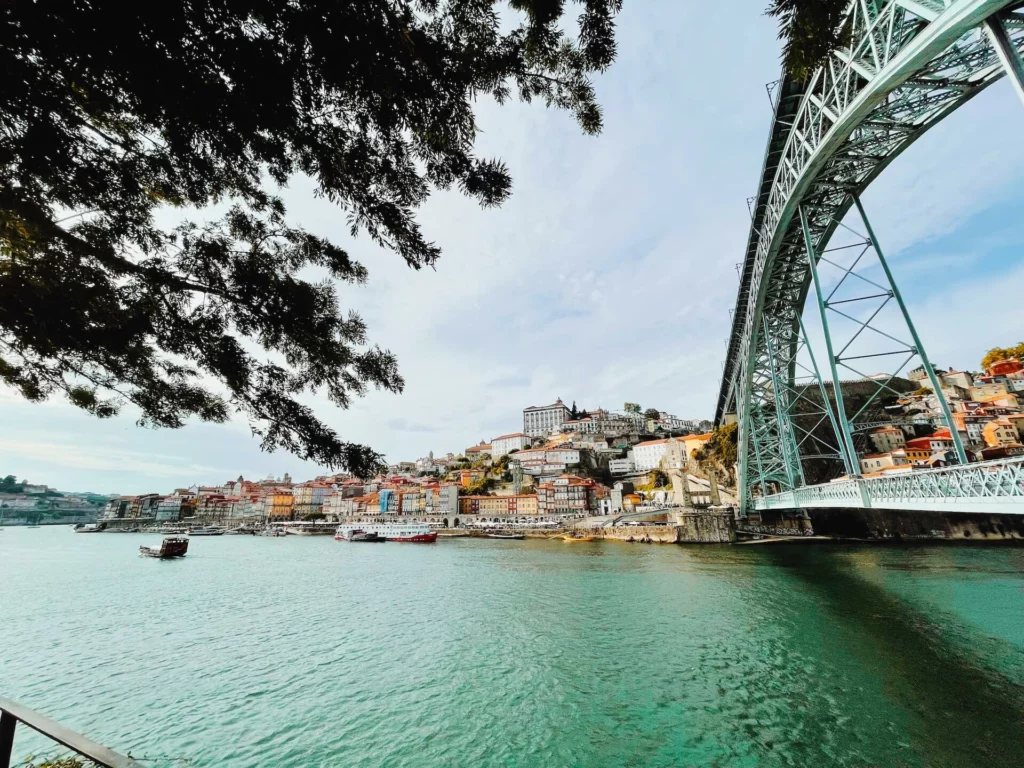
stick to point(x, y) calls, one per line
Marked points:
point(169, 508)
point(246, 509)
point(886, 439)
point(879, 462)
point(564, 455)
point(648, 455)
point(508, 443)
point(540, 420)
point(624, 466)
point(443, 500)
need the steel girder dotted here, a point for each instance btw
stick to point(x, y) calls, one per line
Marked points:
point(910, 63)
point(987, 487)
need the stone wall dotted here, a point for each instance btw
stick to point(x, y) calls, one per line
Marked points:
point(895, 525)
point(777, 524)
point(705, 527)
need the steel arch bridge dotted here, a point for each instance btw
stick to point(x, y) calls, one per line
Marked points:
point(908, 64)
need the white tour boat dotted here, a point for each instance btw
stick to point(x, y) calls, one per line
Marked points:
point(416, 532)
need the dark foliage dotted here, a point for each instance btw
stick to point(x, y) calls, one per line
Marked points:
point(10, 484)
point(811, 31)
point(718, 454)
point(113, 112)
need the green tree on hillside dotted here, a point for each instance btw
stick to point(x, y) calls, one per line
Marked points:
point(718, 454)
point(632, 408)
point(118, 118)
point(10, 484)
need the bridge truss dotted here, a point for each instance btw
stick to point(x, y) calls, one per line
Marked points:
point(909, 64)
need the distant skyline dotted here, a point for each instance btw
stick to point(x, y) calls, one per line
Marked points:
point(608, 276)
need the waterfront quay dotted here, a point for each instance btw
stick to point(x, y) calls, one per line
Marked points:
point(649, 525)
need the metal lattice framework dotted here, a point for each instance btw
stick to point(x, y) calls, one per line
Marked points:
point(991, 486)
point(910, 63)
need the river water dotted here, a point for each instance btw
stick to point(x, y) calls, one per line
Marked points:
point(310, 652)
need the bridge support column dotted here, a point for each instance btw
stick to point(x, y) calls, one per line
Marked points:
point(826, 403)
point(947, 414)
point(716, 498)
point(1008, 55)
point(787, 438)
point(845, 436)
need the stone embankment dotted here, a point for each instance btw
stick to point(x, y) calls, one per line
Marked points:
point(895, 525)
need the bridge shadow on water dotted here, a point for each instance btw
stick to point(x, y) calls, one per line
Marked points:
point(966, 713)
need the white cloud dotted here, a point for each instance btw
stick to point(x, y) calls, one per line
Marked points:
point(77, 455)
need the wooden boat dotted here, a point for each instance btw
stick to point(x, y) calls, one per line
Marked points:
point(506, 536)
point(576, 539)
point(171, 546)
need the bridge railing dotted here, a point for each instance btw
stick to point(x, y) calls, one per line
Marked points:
point(12, 713)
point(988, 486)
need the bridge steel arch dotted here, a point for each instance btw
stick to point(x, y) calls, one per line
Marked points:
point(909, 64)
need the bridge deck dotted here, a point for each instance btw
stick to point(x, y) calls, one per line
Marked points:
point(991, 487)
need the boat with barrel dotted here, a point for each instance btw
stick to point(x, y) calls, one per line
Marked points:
point(170, 547)
point(418, 533)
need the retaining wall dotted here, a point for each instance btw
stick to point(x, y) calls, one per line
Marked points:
point(885, 524)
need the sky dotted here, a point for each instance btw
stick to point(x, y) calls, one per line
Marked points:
point(608, 276)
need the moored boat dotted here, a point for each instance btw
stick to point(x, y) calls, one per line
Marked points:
point(170, 547)
point(576, 539)
point(506, 536)
point(208, 531)
point(272, 532)
point(418, 533)
point(364, 536)
point(90, 527)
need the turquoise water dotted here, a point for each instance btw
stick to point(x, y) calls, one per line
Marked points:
point(311, 652)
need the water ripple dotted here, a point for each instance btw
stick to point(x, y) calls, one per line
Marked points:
point(307, 652)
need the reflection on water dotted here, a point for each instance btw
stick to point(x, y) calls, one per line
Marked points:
point(298, 652)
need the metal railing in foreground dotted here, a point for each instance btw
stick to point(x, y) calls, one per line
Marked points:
point(12, 713)
point(985, 487)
